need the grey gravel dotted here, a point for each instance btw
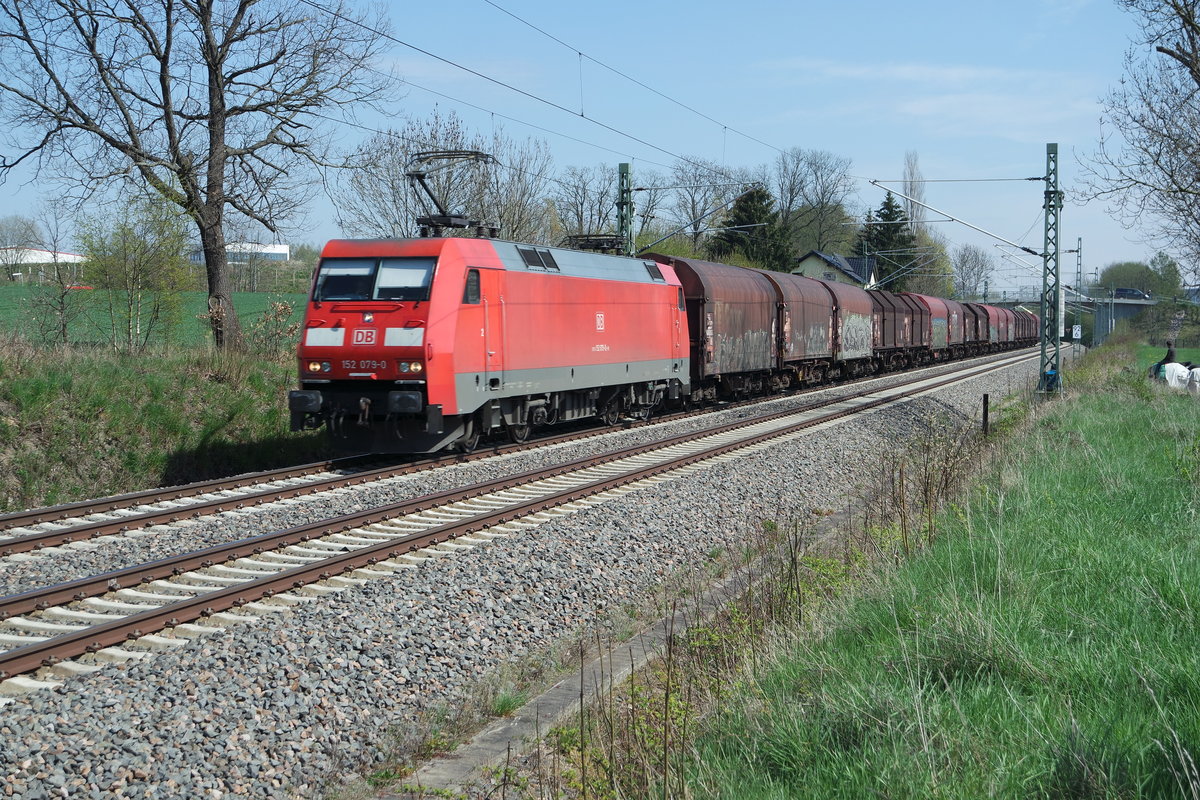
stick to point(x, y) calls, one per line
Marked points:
point(294, 704)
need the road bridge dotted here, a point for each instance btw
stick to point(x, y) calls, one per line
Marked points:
point(1108, 310)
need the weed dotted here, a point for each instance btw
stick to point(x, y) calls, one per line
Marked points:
point(386, 777)
point(565, 740)
point(508, 701)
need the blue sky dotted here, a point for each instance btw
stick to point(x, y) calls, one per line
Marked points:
point(977, 89)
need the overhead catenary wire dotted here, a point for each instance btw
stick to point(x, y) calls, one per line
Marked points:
point(524, 93)
point(192, 82)
point(878, 184)
point(421, 142)
point(527, 124)
point(629, 78)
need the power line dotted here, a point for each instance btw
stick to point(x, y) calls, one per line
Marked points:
point(400, 136)
point(630, 78)
point(541, 128)
point(510, 87)
point(950, 180)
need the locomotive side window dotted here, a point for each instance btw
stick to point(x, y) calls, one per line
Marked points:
point(471, 293)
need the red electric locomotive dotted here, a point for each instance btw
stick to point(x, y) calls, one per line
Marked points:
point(416, 345)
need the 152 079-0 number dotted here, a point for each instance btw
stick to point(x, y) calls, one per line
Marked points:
point(365, 364)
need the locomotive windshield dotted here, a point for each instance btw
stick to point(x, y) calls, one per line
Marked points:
point(374, 279)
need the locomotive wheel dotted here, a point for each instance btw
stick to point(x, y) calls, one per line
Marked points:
point(470, 438)
point(518, 433)
point(611, 414)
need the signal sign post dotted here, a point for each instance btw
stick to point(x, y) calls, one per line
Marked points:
point(1050, 377)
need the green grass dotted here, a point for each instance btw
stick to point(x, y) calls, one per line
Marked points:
point(77, 423)
point(1045, 646)
point(1151, 354)
point(20, 314)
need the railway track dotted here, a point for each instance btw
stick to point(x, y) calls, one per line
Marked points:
point(125, 614)
point(36, 529)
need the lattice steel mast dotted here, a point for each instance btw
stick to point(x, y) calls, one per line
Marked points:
point(625, 209)
point(1050, 378)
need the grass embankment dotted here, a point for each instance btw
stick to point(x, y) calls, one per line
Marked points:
point(1036, 638)
point(1045, 645)
point(77, 424)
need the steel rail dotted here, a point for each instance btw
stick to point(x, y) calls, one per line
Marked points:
point(38, 599)
point(105, 505)
point(88, 530)
point(31, 657)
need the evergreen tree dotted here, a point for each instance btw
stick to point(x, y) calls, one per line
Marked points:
point(752, 230)
point(887, 236)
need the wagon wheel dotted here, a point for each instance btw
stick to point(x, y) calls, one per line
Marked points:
point(471, 436)
point(518, 433)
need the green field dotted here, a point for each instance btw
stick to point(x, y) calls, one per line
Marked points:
point(22, 312)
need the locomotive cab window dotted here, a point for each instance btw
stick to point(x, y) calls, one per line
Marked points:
point(403, 279)
point(345, 279)
point(374, 279)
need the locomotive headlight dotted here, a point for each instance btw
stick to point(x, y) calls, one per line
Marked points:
point(314, 366)
point(410, 366)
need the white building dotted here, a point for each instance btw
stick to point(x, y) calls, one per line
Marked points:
point(26, 263)
point(247, 252)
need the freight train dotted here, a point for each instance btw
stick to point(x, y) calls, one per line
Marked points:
point(418, 345)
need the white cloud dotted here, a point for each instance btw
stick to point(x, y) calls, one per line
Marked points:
point(810, 71)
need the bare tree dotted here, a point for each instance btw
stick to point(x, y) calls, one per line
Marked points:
point(813, 188)
point(914, 187)
point(17, 235)
point(515, 187)
point(789, 178)
point(216, 105)
point(1147, 163)
point(375, 198)
point(58, 302)
point(649, 198)
point(700, 189)
point(972, 266)
point(585, 199)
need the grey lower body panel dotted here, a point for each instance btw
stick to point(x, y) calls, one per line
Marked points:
point(475, 389)
point(378, 416)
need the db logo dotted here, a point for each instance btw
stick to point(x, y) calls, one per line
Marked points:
point(363, 336)
point(600, 320)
